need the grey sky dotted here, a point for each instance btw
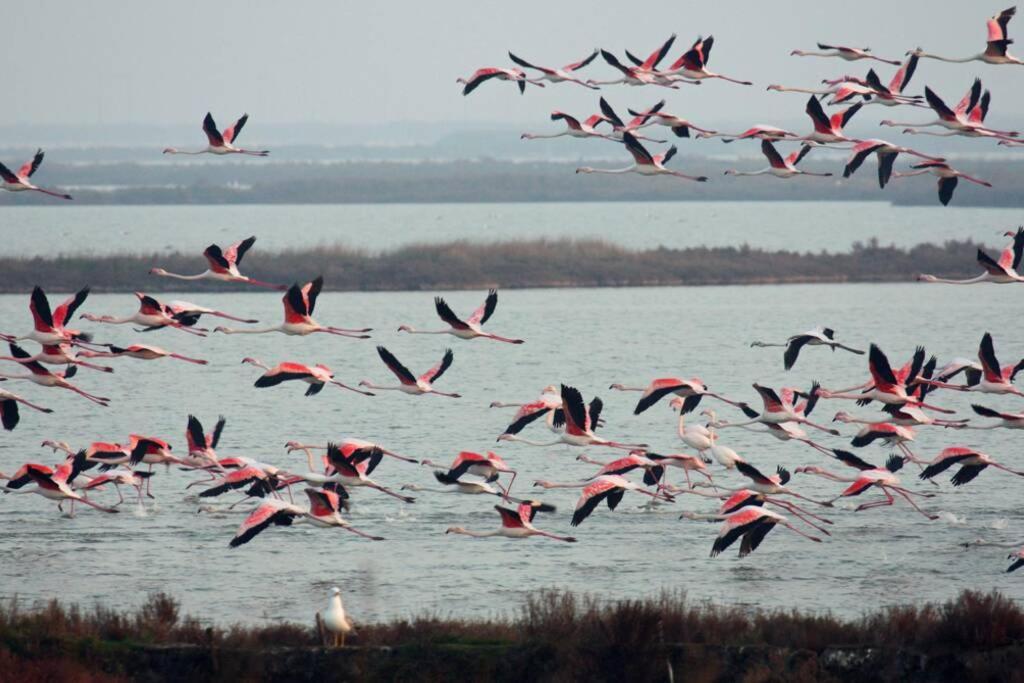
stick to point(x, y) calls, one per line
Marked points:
point(109, 62)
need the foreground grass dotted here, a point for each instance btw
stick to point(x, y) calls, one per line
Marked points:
point(555, 636)
point(536, 263)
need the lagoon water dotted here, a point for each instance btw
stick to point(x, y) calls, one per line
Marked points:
point(800, 226)
point(585, 337)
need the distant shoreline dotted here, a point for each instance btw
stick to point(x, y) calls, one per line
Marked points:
point(512, 265)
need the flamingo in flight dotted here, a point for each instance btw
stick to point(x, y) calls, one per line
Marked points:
point(783, 431)
point(516, 523)
point(9, 414)
point(733, 502)
point(469, 328)
point(892, 95)
point(53, 483)
point(580, 422)
point(693, 64)
point(967, 118)
point(996, 51)
point(349, 464)
point(59, 354)
point(829, 129)
point(19, 182)
point(778, 166)
point(680, 127)
point(644, 73)
point(408, 382)
point(889, 433)
point(1006, 420)
point(324, 511)
point(774, 485)
point(843, 89)
point(609, 488)
point(994, 378)
point(779, 409)
point(350, 443)
point(221, 143)
point(141, 352)
point(947, 175)
point(819, 336)
point(223, 266)
point(644, 162)
point(620, 127)
point(549, 404)
point(152, 315)
point(883, 479)
point(489, 467)
point(37, 374)
point(202, 447)
point(316, 376)
point(574, 127)
point(849, 54)
point(299, 303)
point(1001, 272)
point(691, 390)
point(971, 463)
point(885, 385)
point(48, 327)
point(749, 525)
point(485, 74)
point(655, 466)
point(886, 152)
point(758, 132)
point(559, 75)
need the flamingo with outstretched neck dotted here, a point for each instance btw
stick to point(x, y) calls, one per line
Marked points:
point(221, 143)
point(223, 266)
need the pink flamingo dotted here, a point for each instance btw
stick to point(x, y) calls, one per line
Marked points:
point(141, 352)
point(778, 166)
point(574, 127)
point(221, 143)
point(485, 74)
point(152, 315)
point(469, 328)
point(882, 478)
point(971, 463)
point(1001, 272)
point(19, 182)
point(516, 523)
point(48, 328)
point(580, 422)
point(849, 54)
point(693, 64)
point(316, 376)
point(223, 266)
point(37, 374)
point(488, 466)
point(409, 383)
point(996, 51)
point(691, 390)
point(751, 524)
point(299, 303)
point(324, 511)
point(559, 75)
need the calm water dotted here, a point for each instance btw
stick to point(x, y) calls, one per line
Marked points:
point(624, 335)
point(803, 226)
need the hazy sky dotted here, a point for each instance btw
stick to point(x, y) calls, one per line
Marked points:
point(110, 62)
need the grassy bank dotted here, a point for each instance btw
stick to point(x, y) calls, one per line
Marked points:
point(555, 636)
point(472, 265)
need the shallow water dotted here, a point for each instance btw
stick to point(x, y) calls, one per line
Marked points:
point(589, 338)
point(801, 226)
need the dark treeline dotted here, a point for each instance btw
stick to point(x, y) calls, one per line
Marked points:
point(471, 265)
point(554, 637)
point(491, 180)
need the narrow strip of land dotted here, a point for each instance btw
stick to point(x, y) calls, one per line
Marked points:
point(515, 264)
